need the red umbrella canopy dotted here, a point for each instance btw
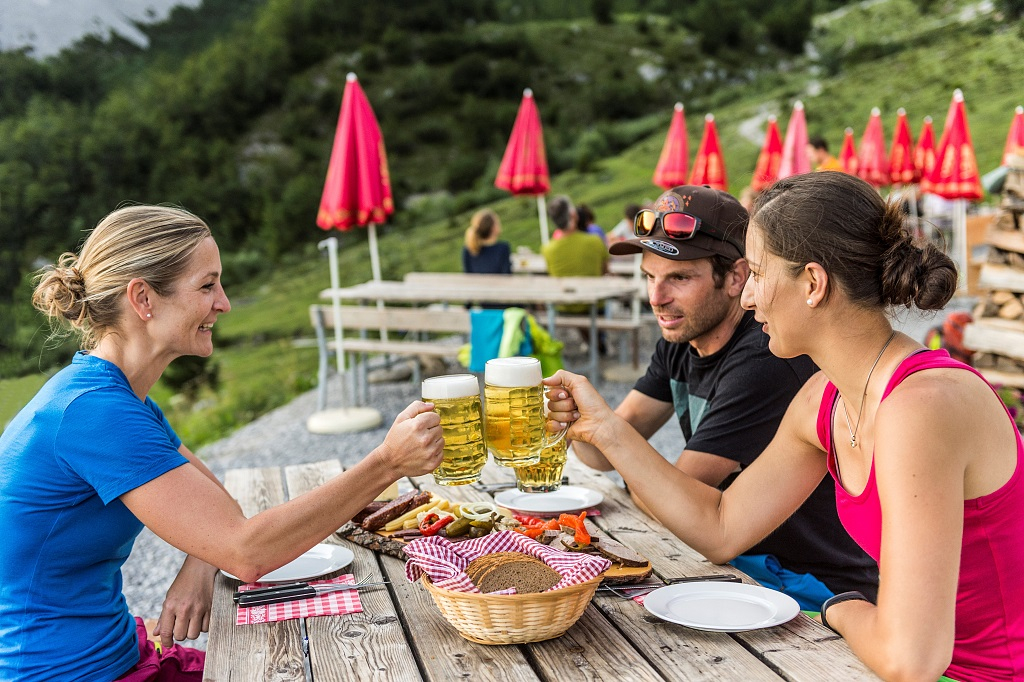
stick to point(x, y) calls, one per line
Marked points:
point(767, 169)
point(675, 155)
point(873, 163)
point(709, 166)
point(357, 190)
point(524, 167)
point(848, 155)
point(955, 175)
point(794, 149)
point(924, 153)
point(1015, 138)
point(901, 154)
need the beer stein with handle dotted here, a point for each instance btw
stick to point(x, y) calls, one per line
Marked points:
point(514, 418)
point(456, 399)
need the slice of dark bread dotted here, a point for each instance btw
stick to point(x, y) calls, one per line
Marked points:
point(506, 570)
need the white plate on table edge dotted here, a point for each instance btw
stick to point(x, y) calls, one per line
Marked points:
point(566, 499)
point(318, 561)
point(721, 607)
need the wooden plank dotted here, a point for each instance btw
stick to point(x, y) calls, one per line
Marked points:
point(805, 651)
point(269, 652)
point(995, 336)
point(994, 276)
point(1008, 240)
point(359, 646)
point(442, 652)
point(453, 319)
point(592, 649)
point(399, 347)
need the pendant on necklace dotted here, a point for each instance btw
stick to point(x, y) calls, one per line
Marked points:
point(853, 441)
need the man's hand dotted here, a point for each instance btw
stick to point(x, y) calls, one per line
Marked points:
point(187, 606)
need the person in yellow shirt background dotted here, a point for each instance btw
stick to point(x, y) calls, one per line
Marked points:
point(817, 153)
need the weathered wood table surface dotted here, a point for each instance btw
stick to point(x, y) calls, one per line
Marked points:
point(400, 634)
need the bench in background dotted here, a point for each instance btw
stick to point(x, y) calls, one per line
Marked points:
point(411, 325)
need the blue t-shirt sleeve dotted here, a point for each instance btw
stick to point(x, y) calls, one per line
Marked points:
point(115, 443)
point(505, 259)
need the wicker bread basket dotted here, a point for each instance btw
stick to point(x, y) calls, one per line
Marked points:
point(513, 618)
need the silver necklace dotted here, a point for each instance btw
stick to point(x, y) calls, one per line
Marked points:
point(863, 398)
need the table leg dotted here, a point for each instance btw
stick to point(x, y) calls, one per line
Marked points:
point(551, 319)
point(595, 371)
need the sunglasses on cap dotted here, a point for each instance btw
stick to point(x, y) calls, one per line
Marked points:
point(675, 224)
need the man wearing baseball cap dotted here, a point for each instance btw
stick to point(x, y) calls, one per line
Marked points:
point(713, 371)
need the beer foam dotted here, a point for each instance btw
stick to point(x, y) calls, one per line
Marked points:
point(513, 372)
point(450, 386)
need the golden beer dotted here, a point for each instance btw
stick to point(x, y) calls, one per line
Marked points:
point(514, 411)
point(546, 475)
point(456, 399)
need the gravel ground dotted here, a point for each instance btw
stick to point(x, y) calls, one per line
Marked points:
point(280, 438)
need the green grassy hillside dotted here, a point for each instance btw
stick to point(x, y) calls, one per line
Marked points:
point(885, 54)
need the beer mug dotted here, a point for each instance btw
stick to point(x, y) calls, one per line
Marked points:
point(456, 399)
point(514, 418)
point(546, 475)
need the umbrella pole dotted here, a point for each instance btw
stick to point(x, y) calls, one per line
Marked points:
point(375, 267)
point(344, 419)
point(960, 227)
point(542, 212)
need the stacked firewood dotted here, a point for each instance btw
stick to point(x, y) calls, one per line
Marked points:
point(997, 333)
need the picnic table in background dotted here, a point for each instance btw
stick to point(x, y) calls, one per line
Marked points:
point(401, 635)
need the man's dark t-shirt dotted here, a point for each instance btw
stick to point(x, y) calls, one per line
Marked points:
point(730, 404)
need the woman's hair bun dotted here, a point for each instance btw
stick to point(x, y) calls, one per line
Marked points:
point(912, 274)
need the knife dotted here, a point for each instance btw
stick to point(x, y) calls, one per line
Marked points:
point(718, 577)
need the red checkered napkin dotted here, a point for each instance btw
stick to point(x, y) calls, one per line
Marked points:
point(445, 561)
point(330, 604)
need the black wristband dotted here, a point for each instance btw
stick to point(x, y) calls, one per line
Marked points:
point(832, 601)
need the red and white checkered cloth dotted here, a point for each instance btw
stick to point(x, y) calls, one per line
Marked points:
point(330, 604)
point(445, 561)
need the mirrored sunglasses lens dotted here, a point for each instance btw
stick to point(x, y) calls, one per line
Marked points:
point(679, 225)
point(644, 222)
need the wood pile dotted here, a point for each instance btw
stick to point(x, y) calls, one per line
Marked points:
point(997, 333)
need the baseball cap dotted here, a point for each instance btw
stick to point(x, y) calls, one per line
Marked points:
point(722, 230)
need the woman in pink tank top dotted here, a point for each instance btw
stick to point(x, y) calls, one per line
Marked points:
point(927, 461)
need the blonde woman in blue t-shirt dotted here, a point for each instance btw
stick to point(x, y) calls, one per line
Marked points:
point(91, 460)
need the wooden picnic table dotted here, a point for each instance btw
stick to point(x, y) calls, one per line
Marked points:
point(460, 288)
point(400, 635)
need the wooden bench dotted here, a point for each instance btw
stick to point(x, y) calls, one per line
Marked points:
point(411, 324)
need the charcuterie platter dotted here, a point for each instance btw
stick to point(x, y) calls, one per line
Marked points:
point(387, 527)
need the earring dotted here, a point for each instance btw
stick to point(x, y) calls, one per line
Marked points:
point(810, 302)
point(151, 314)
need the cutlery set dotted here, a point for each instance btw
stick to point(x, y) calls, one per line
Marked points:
point(497, 487)
point(276, 594)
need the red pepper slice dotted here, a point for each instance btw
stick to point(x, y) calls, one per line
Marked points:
point(438, 524)
point(582, 536)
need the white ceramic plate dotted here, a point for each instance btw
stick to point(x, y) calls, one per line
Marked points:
point(566, 499)
point(721, 607)
point(318, 561)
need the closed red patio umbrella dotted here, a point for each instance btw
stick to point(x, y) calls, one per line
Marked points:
point(873, 164)
point(848, 154)
point(901, 155)
point(794, 149)
point(673, 163)
point(709, 166)
point(924, 153)
point(955, 175)
point(767, 169)
point(524, 167)
point(1015, 138)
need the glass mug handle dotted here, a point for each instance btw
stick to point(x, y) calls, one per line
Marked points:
point(550, 439)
